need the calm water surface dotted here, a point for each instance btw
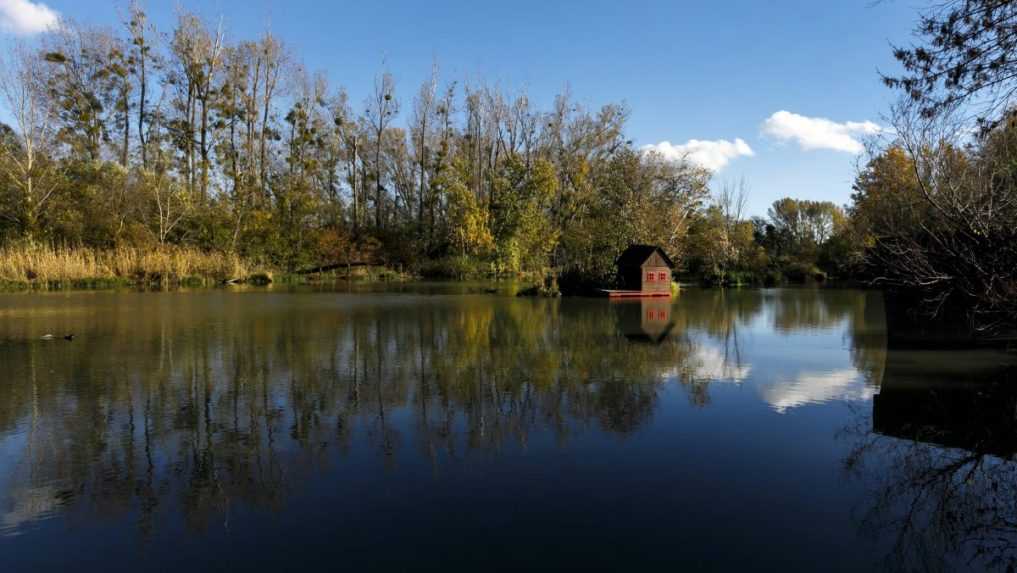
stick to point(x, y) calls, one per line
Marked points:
point(446, 428)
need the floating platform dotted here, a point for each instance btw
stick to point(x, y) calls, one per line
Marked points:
point(633, 294)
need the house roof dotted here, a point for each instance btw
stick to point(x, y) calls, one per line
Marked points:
point(652, 338)
point(636, 255)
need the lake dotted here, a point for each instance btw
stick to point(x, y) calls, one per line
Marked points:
point(443, 427)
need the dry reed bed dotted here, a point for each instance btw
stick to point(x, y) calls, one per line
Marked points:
point(56, 265)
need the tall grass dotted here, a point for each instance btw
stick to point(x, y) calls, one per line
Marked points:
point(38, 265)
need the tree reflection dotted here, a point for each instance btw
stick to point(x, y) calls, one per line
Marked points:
point(203, 405)
point(200, 403)
point(938, 456)
point(714, 321)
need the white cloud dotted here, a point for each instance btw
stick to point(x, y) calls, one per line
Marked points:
point(24, 17)
point(818, 132)
point(712, 155)
point(816, 387)
point(709, 363)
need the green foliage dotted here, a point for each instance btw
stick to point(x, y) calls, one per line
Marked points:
point(468, 224)
point(455, 267)
point(639, 198)
point(547, 288)
point(964, 56)
point(474, 183)
point(723, 251)
point(224, 163)
point(801, 272)
point(801, 241)
point(941, 221)
point(806, 225)
point(524, 234)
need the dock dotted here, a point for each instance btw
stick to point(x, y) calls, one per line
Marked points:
point(633, 293)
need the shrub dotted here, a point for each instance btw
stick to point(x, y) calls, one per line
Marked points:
point(804, 272)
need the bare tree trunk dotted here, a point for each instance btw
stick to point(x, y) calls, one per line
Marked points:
point(127, 129)
point(24, 163)
point(204, 147)
point(422, 164)
point(353, 185)
point(141, 112)
point(378, 189)
point(191, 110)
point(273, 63)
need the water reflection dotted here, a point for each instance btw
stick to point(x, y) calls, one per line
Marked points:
point(644, 320)
point(807, 346)
point(191, 411)
point(231, 398)
point(214, 404)
point(938, 456)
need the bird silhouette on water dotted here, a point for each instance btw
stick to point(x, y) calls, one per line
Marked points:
point(67, 337)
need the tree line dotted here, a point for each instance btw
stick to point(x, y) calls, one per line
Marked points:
point(933, 214)
point(134, 136)
point(935, 210)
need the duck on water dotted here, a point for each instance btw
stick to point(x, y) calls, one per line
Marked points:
point(67, 337)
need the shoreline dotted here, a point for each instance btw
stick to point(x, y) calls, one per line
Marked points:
point(266, 279)
point(380, 276)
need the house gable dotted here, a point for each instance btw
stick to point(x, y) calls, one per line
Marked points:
point(643, 256)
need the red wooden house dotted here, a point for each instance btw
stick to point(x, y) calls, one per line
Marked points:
point(644, 270)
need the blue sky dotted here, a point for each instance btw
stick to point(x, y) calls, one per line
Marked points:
point(714, 72)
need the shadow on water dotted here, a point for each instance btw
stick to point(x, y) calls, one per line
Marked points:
point(937, 453)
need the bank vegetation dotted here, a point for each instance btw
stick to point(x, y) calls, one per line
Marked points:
point(188, 144)
point(140, 154)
